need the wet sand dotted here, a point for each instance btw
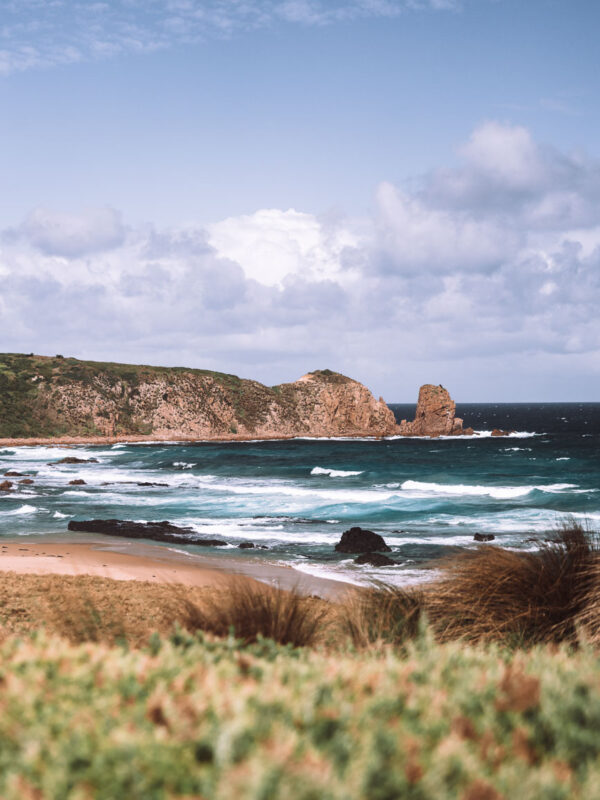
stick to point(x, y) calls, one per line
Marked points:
point(135, 561)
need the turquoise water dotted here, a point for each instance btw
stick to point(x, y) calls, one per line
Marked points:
point(426, 497)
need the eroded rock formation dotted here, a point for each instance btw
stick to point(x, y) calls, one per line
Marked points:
point(68, 397)
point(435, 416)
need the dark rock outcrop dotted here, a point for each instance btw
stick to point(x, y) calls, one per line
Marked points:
point(12, 474)
point(252, 546)
point(484, 537)
point(6, 486)
point(498, 432)
point(77, 482)
point(435, 416)
point(376, 560)
point(358, 540)
point(156, 531)
point(73, 460)
point(26, 482)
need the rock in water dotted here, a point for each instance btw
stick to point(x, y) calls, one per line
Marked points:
point(436, 414)
point(157, 531)
point(73, 460)
point(6, 486)
point(77, 482)
point(357, 540)
point(484, 537)
point(376, 560)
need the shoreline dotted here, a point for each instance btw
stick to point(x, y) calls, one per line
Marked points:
point(134, 561)
point(64, 441)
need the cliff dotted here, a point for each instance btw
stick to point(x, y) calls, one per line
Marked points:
point(52, 397)
point(435, 415)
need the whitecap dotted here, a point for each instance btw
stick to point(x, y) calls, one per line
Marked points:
point(59, 515)
point(497, 492)
point(24, 509)
point(335, 473)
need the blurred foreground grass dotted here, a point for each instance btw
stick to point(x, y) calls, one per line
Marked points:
point(190, 716)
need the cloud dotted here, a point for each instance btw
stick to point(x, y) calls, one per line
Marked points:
point(485, 277)
point(71, 235)
point(44, 33)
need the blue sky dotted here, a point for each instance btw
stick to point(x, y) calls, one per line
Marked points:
point(404, 191)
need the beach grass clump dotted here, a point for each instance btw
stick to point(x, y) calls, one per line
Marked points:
point(380, 616)
point(520, 598)
point(250, 610)
point(191, 716)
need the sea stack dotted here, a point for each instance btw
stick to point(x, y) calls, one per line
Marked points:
point(436, 415)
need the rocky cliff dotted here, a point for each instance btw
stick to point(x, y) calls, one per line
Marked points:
point(435, 416)
point(50, 397)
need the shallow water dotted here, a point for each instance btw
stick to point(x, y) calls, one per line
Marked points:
point(426, 497)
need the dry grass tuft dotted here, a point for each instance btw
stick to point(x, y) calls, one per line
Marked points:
point(381, 616)
point(250, 610)
point(518, 598)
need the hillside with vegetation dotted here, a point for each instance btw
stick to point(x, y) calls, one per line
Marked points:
point(42, 396)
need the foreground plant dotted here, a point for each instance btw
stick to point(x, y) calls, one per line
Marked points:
point(194, 717)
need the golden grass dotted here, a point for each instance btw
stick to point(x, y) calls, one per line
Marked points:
point(249, 610)
point(87, 608)
point(493, 594)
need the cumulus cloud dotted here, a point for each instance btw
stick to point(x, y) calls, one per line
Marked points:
point(70, 235)
point(485, 277)
point(43, 33)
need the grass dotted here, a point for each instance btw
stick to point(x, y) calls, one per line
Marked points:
point(251, 611)
point(520, 598)
point(194, 717)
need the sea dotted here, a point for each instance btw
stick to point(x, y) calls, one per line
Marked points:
point(426, 497)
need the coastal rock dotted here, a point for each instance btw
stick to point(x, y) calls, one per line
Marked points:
point(252, 546)
point(435, 416)
point(77, 482)
point(156, 531)
point(484, 537)
point(73, 460)
point(26, 482)
point(87, 399)
point(12, 474)
point(498, 432)
point(6, 486)
point(358, 540)
point(376, 560)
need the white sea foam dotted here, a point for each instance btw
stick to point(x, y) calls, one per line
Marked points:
point(183, 465)
point(59, 515)
point(563, 458)
point(24, 509)
point(335, 473)
point(497, 492)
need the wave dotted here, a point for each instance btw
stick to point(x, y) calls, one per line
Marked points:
point(24, 509)
point(497, 492)
point(335, 473)
point(183, 465)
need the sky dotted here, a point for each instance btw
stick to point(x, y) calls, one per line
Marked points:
point(405, 191)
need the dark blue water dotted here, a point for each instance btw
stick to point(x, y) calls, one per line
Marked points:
point(425, 496)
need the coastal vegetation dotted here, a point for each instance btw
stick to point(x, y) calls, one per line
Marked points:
point(479, 685)
point(52, 397)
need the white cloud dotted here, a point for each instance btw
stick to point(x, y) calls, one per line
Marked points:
point(71, 235)
point(490, 287)
point(273, 244)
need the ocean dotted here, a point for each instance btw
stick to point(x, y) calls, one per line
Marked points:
point(426, 497)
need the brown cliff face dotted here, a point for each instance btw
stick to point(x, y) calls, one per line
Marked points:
point(66, 397)
point(435, 416)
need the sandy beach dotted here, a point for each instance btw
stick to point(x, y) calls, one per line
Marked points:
point(135, 561)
